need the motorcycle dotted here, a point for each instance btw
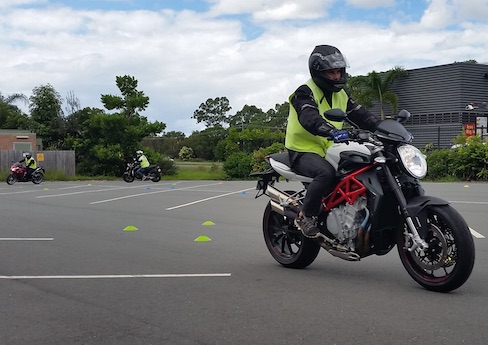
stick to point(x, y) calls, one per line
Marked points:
point(377, 203)
point(18, 173)
point(154, 172)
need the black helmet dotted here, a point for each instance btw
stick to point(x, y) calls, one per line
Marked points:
point(326, 57)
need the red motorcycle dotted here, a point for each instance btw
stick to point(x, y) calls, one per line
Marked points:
point(18, 173)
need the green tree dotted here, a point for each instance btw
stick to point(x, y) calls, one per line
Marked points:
point(277, 118)
point(213, 112)
point(11, 117)
point(204, 143)
point(105, 141)
point(45, 110)
point(248, 116)
point(168, 144)
point(132, 100)
point(375, 87)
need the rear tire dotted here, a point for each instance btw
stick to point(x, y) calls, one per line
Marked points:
point(285, 242)
point(38, 178)
point(449, 260)
point(157, 177)
point(11, 179)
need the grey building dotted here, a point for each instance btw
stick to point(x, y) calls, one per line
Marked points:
point(438, 96)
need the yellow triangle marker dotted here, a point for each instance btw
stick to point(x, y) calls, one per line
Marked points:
point(130, 228)
point(208, 223)
point(466, 186)
point(202, 239)
point(46, 189)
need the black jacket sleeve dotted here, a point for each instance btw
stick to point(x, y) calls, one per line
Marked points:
point(361, 117)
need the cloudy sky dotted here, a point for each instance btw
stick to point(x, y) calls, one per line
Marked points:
point(253, 52)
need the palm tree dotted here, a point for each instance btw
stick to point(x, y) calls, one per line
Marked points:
point(375, 87)
point(10, 115)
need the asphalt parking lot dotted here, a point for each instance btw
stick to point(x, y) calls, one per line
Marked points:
point(184, 262)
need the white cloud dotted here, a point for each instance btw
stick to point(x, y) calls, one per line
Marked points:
point(272, 10)
point(183, 58)
point(371, 3)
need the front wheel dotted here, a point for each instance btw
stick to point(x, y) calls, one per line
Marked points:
point(448, 261)
point(11, 179)
point(127, 177)
point(285, 242)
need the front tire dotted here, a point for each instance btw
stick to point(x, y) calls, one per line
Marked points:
point(11, 179)
point(127, 177)
point(449, 260)
point(285, 242)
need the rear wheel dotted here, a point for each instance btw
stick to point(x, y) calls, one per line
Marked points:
point(285, 242)
point(449, 260)
point(11, 179)
point(157, 177)
point(37, 178)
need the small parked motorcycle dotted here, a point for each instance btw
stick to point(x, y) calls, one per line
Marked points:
point(377, 203)
point(154, 172)
point(18, 173)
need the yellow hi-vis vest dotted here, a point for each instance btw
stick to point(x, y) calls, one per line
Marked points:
point(28, 162)
point(144, 161)
point(298, 138)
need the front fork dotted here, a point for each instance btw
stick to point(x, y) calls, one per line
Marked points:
point(415, 241)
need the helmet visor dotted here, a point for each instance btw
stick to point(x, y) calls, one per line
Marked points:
point(331, 61)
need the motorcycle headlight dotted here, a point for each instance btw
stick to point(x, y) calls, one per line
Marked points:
point(413, 160)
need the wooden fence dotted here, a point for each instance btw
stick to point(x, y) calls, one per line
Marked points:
point(49, 160)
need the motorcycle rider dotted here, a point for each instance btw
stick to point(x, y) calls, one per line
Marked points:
point(142, 171)
point(30, 164)
point(309, 134)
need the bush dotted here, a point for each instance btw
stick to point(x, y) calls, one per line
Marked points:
point(438, 165)
point(467, 162)
point(258, 163)
point(238, 165)
point(168, 167)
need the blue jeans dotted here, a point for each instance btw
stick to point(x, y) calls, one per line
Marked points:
point(141, 171)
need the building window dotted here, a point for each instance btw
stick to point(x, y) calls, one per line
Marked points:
point(22, 146)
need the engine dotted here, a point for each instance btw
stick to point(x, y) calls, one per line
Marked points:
point(344, 221)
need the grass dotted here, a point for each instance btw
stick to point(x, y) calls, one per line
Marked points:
point(194, 171)
point(197, 171)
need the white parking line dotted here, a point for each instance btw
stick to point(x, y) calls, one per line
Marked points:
point(476, 234)
point(116, 276)
point(206, 199)
point(147, 193)
point(26, 239)
point(86, 191)
point(469, 202)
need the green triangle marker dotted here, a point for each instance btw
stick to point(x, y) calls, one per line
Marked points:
point(130, 228)
point(46, 189)
point(202, 239)
point(208, 223)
